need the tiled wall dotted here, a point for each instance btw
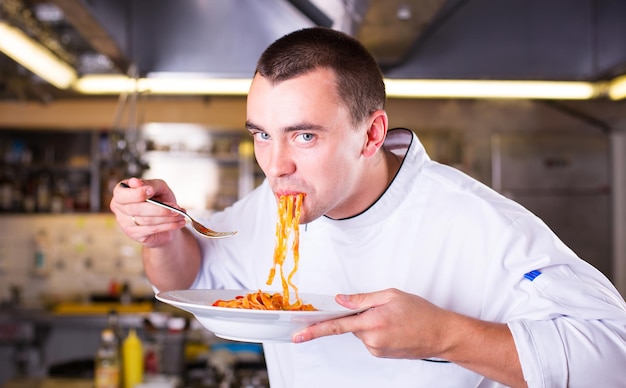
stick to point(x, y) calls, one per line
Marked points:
point(66, 256)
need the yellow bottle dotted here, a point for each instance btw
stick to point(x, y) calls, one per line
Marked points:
point(132, 357)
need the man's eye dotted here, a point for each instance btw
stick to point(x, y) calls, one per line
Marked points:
point(306, 137)
point(261, 135)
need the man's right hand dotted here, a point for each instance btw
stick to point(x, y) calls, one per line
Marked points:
point(150, 225)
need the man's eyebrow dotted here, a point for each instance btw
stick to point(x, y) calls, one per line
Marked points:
point(292, 128)
point(304, 127)
point(251, 126)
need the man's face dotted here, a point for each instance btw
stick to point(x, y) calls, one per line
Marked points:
point(305, 141)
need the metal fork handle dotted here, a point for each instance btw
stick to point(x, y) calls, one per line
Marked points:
point(172, 208)
point(163, 205)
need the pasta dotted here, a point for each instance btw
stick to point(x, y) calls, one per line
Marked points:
point(287, 229)
point(263, 301)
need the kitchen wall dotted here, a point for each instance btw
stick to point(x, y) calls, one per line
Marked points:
point(50, 258)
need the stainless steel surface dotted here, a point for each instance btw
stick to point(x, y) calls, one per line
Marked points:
point(43, 339)
point(564, 178)
point(618, 210)
point(487, 39)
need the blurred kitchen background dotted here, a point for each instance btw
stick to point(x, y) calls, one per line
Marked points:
point(156, 88)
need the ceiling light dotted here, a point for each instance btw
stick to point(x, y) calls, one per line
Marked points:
point(617, 88)
point(105, 84)
point(404, 12)
point(195, 86)
point(561, 90)
point(115, 84)
point(35, 57)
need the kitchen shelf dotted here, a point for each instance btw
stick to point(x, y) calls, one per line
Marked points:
point(49, 171)
point(56, 171)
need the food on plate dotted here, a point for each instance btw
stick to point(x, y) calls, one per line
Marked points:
point(263, 301)
point(287, 230)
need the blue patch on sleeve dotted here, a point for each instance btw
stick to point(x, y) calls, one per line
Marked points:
point(532, 275)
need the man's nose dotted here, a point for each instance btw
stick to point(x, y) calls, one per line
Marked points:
point(280, 162)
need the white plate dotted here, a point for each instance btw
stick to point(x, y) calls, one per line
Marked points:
point(252, 325)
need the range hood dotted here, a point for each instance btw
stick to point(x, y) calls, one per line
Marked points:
point(559, 40)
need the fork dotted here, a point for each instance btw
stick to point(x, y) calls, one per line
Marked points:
point(198, 227)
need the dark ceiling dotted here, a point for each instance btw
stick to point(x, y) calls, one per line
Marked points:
point(465, 39)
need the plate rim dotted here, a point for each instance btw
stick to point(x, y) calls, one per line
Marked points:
point(161, 296)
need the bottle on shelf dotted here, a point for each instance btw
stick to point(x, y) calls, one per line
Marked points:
point(43, 193)
point(107, 363)
point(113, 323)
point(6, 190)
point(132, 356)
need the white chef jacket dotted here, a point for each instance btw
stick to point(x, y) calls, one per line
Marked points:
point(444, 236)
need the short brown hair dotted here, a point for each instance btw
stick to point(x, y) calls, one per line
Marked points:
point(359, 78)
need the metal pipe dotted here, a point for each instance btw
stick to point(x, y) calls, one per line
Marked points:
point(618, 163)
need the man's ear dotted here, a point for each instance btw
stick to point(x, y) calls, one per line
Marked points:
point(376, 132)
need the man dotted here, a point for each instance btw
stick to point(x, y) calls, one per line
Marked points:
point(466, 288)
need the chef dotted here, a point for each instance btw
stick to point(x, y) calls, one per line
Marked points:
point(463, 287)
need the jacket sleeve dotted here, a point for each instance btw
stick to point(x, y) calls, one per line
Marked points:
point(571, 352)
point(581, 341)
